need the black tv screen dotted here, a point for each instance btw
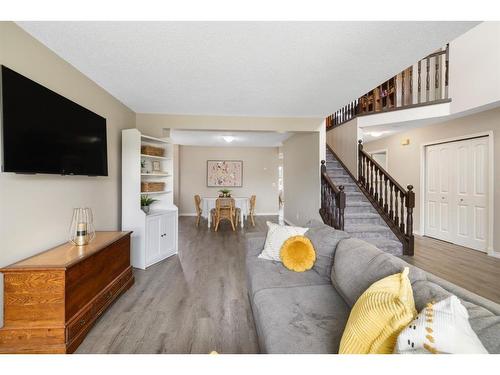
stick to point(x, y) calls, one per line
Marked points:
point(43, 132)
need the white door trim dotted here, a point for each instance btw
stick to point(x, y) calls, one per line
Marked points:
point(491, 192)
point(382, 150)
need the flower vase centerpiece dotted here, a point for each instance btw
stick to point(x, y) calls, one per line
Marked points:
point(224, 193)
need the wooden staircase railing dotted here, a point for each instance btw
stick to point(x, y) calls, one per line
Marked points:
point(424, 83)
point(332, 201)
point(393, 203)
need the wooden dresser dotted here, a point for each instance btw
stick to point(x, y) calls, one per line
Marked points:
point(52, 300)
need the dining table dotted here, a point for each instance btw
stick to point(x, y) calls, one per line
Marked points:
point(207, 203)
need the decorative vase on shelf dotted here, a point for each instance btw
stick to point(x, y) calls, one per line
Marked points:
point(82, 230)
point(145, 209)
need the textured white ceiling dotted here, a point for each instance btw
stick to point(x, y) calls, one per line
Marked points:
point(216, 138)
point(288, 69)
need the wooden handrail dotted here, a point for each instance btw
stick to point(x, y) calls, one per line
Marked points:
point(333, 201)
point(378, 166)
point(398, 92)
point(394, 203)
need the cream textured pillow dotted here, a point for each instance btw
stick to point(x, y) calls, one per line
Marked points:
point(442, 327)
point(276, 236)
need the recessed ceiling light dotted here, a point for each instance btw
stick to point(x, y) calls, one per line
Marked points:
point(228, 138)
point(376, 134)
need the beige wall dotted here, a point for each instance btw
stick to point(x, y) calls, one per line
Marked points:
point(344, 140)
point(260, 175)
point(154, 123)
point(405, 161)
point(35, 211)
point(301, 180)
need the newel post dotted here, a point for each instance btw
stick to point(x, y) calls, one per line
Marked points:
point(361, 177)
point(410, 204)
point(322, 187)
point(341, 206)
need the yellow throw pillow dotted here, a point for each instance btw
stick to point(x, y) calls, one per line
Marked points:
point(379, 315)
point(297, 254)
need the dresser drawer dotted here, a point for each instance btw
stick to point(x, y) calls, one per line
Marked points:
point(110, 293)
point(80, 323)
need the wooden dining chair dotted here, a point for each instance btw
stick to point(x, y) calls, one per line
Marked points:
point(252, 209)
point(224, 210)
point(197, 205)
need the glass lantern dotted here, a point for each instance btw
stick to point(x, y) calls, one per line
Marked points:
point(82, 230)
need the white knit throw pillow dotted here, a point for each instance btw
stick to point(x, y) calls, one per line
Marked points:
point(442, 327)
point(276, 236)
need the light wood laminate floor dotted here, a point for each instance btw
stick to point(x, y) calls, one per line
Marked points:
point(195, 302)
point(470, 269)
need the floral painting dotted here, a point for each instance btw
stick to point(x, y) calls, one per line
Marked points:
point(224, 173)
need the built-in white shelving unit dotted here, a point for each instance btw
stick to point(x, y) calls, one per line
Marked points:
point(155, 235)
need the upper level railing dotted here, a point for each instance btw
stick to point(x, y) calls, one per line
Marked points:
point(424, 83)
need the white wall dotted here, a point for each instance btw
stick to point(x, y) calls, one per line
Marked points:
point(474, 76)
point(301, 179)
point(260, 175)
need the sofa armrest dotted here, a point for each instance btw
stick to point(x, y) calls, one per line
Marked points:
point(254, 243)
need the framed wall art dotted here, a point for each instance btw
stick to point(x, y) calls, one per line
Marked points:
point(224, 173)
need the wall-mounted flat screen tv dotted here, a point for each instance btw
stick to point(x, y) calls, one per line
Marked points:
point(43, 132)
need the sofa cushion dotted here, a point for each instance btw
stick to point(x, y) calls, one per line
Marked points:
point(300, 320)
point(358, 264)
point(325, 240)
point(254, 243)
point(264, 274)
point(486, 325)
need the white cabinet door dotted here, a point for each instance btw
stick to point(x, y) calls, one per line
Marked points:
point(168, 234)
point(153, 239)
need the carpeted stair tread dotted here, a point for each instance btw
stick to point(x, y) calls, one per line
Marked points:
point(361, 220)
point(362, 215)
point(364, 228)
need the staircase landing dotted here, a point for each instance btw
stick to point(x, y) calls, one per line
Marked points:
point(361, 220)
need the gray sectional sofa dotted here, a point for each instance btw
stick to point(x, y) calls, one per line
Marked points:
point(307, 312)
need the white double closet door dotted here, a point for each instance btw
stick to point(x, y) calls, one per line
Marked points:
point(456, 192)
